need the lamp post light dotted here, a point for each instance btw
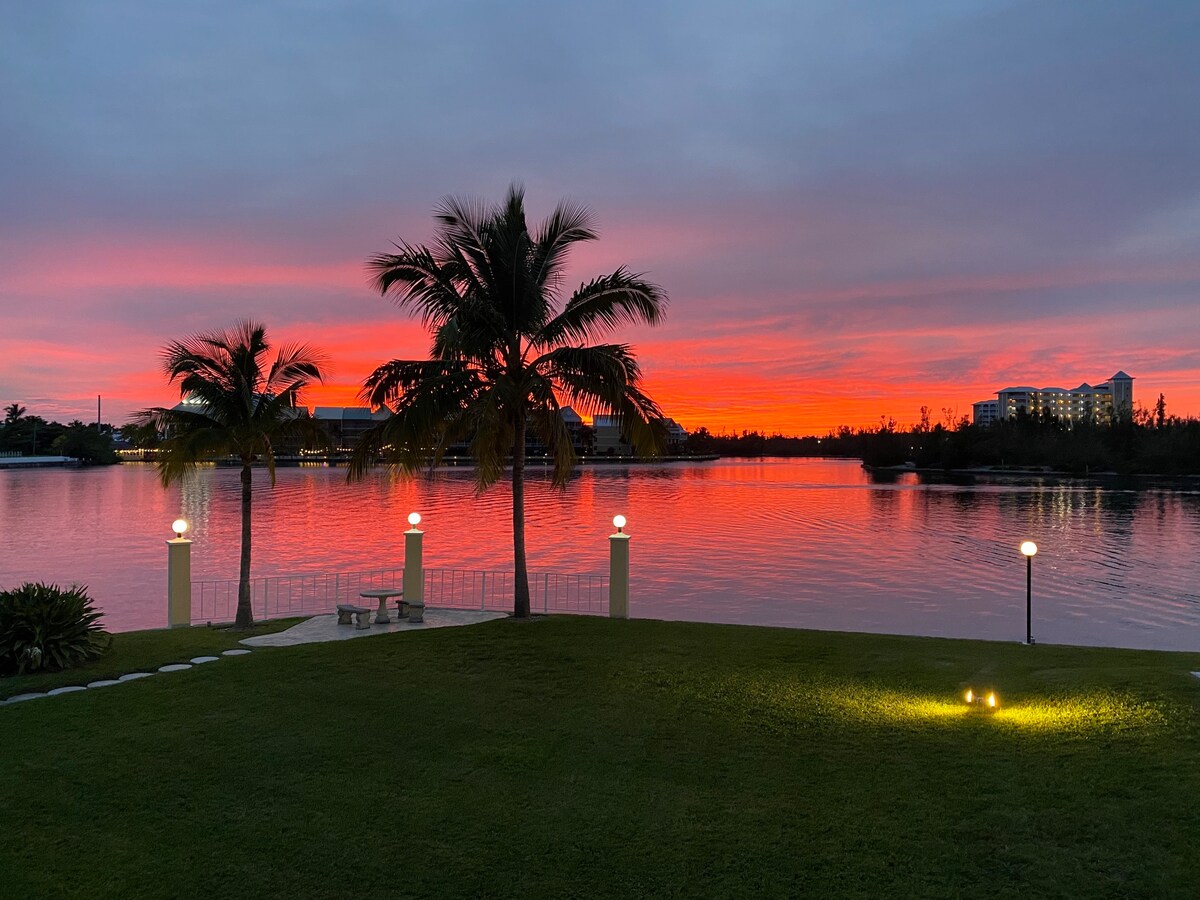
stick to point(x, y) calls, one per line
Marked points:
point(1029, 550)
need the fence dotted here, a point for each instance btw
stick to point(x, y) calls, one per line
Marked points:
point(279, 596)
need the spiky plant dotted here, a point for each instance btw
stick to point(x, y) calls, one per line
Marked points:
point(44, 627)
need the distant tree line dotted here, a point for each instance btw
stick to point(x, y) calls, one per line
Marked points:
point(1148, 442)
point(25, 435)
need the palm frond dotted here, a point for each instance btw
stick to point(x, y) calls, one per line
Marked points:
point(603, 305)
point(570, 223)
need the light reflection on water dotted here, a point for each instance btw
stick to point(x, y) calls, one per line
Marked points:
point(805, 543)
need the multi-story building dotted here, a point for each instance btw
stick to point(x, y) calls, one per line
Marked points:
point(985, 412)
point(1087, 403)
point(346, 424)
point(611, 442)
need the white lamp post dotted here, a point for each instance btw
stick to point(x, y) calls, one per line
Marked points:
point(1029, 551)
point(179, 576)
point(414, 569)
point(618, 571)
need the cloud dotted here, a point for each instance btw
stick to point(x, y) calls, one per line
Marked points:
point(856, 208)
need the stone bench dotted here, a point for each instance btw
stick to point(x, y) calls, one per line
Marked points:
point(360, 613)
point(416, 611)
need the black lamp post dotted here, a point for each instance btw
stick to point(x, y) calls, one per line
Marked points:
point(1029, 550)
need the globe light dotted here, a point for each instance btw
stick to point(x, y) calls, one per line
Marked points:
point(1029, 548)
point(179, 526)
point(414, 519)
point(619, 522)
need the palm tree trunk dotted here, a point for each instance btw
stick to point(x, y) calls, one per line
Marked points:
point(520, 573)
point(245, 615)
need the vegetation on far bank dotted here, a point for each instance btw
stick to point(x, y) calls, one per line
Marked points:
point(1145, 444)
point(32, 435)
point(592, 757)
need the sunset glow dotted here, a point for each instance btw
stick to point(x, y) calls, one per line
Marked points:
point(854, 216)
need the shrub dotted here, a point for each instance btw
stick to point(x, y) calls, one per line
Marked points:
point(43, 627)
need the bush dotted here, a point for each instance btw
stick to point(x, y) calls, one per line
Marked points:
point(43, 627)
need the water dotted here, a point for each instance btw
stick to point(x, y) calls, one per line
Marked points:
point(801, 543)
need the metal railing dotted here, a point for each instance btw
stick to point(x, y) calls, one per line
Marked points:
point(279, 596)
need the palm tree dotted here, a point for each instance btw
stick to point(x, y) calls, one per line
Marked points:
point(506, 350)
point(13, 413)
point(238, 403)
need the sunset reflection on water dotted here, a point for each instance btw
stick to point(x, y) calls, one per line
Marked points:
point(804, 543)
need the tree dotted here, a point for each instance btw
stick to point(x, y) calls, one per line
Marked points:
point(1160, 411)
point(13, 413)
point(506, 350)
point(238, 404)
point(142, 436)
point(85, 443)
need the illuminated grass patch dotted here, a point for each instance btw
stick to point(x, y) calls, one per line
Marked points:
point(587, 757)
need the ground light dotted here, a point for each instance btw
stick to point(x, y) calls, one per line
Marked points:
point(985, 700)
point(180, 527)
point(1029, 551)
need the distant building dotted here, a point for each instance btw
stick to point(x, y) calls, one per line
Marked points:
point(985, 412)
point(1087, 403)
point(346, 424)
point(676, 435)
point(609, 439)
point(575, 427)
point(611, 442)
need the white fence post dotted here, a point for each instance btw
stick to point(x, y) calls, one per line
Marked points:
point(618, 571)
point(179, 582)
point(414, 563)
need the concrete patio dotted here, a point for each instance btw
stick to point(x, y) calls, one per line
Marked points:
point(326, 628)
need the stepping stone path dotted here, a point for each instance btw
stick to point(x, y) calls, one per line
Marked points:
point(132, 676)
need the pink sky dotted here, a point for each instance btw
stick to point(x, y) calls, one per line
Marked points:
point(855, 212)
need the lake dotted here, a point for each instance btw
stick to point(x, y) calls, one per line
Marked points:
point(799, 543)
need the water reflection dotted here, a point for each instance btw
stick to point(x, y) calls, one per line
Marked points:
point(812, 543)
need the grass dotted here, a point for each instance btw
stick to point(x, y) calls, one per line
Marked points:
point(595, 758)
point(141, 651)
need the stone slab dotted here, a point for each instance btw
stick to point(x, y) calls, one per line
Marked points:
point(21, 698)
point(200, 660)
point(175, 667)
point(239, 652)
point(325, 628)
point(134, 676)
point(72, 689)
point(107, 682)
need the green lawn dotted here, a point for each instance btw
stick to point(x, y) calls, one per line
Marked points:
point(593, 758)
point(141, 651)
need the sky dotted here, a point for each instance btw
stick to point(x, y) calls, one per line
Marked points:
point(857, 208)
